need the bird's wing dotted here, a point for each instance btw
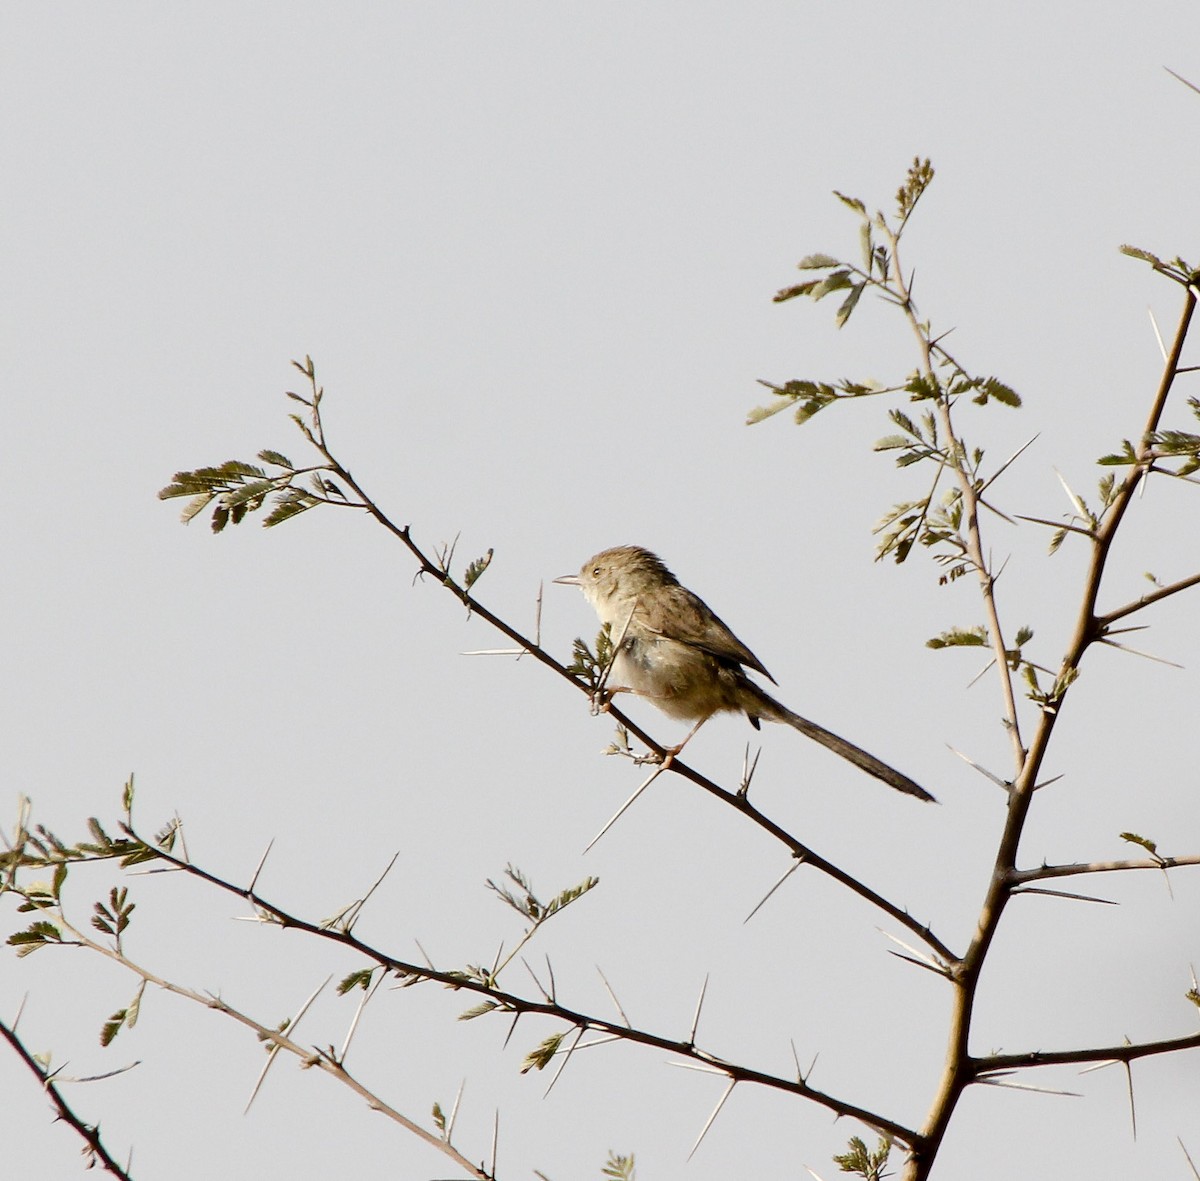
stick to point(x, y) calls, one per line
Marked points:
point(681, 615)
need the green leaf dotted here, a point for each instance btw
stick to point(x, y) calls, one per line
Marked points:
point(98, 833)
point(475, 570)
point(853, 202)
point(958, 637)
point(849, 304)
point(868, 1165)
point(919, 178)
point(37, 934)
point(818, 262)
point(290, 503)
point(922, 387)
point(276, 458)
point(1151, 847)
point(249, 492)
point(478, 1010)
point(1126, 455)
point(892, 442)
point(837, 281)
point(135, 1006)
point(993, 387)
point(195, 506)
point(360, 979)
point(792, 292)
point(112, 1027)
point(1144, 255)
point(1176, 442)
point(866, 245)
point(619, 1168)
point(540, 1057)
point(761, 413)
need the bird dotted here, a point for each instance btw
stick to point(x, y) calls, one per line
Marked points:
point(672, 649)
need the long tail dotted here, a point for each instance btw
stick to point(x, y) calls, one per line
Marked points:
point(763, 705)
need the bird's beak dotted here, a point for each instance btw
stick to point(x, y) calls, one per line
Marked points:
point(569, 580)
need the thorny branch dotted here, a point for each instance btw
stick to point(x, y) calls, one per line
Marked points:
point(1125, 1052)
point(1019, 877)
point(928, 349)
point(309, 1056)
point(960, 1071)
point(438, 567)
point(963, 970)
point(514, 1003)
point(941, 443)
point(93, 1150)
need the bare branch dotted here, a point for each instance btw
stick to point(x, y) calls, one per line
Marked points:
point(1124, 1052)
point(1020, 876)
point(94, 1149)
point(505, 1001)
point(1106, 621)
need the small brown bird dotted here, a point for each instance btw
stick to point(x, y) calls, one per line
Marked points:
point(677, 653)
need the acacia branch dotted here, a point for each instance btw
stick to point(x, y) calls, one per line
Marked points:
point(971, 502)
point(308, 1056)
point(1125, 1052)
point(507, 1001)
point(1019, 877)
point(94, 1148)
point(960, 1071)
point(736, 800)
point(1105, 621)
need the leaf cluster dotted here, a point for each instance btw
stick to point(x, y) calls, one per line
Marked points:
point(235, 489)
point(860, 1161)
point(1160, 446)
point(1175, 269)
point(619, 1168)
point(591, 666)
point(526, 903)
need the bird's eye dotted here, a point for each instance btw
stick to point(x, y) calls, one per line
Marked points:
point(597, 571)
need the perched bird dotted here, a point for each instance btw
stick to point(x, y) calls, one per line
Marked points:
point(676, 652)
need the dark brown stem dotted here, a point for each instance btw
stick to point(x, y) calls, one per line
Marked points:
point(514, 1003)
point(960, 1070)
point(734, 799)
point(90, 1135)
point(1125, 1052)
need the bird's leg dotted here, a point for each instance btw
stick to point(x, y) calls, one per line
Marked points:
point(672, 751)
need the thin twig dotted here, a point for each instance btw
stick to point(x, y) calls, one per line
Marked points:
point(1125, 1052)
point(1106, 621)
point(1019, 877)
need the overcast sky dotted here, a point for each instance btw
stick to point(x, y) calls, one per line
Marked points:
point(532, 249)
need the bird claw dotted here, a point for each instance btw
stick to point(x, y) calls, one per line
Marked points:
point(601, 702)
point(654, 758)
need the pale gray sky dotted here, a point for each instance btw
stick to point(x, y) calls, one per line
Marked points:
point(532, 249)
